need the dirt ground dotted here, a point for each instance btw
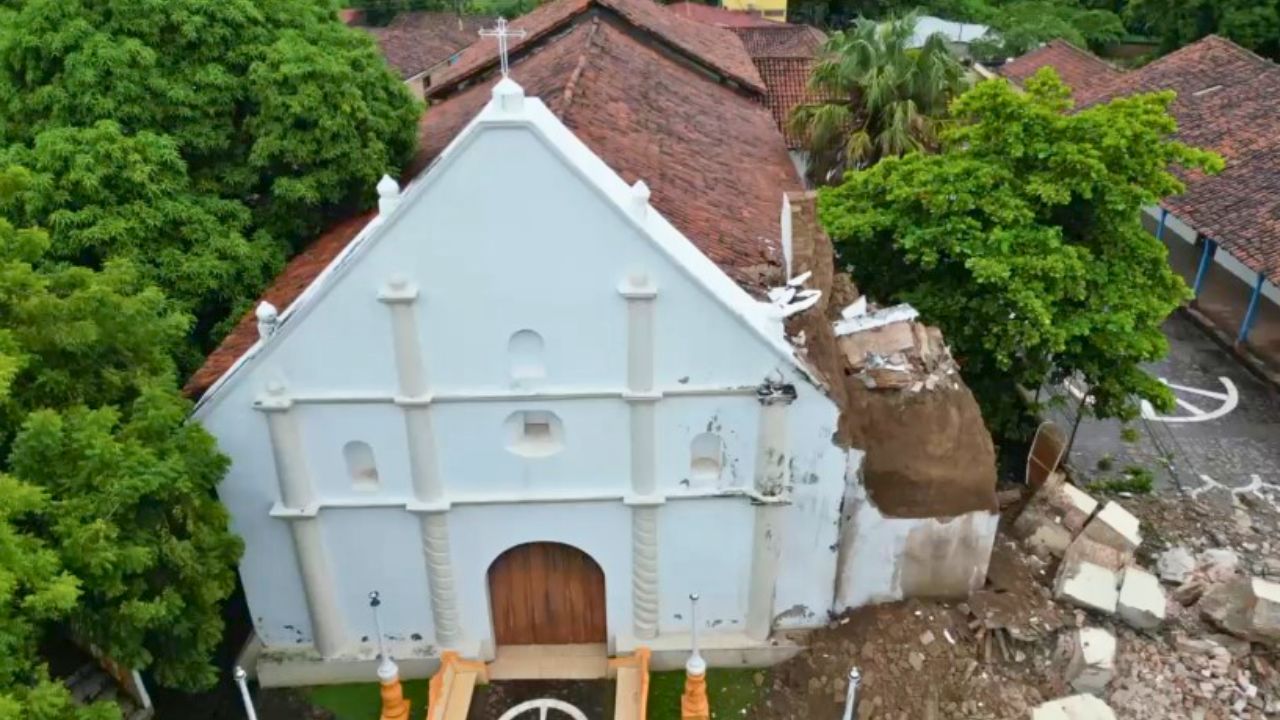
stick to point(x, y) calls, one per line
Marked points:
point(1005, 650)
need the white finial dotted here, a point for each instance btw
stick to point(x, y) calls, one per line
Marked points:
point(388, 195)
point(387, 669)
point(509, 94)
point(696, 665)
point(640, 198)
point(242, 679)
point(502, 32)
point(268, 319)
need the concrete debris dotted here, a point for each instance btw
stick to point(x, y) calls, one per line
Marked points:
point(1141, 602)
point(1212, 567)
point(1175, 564)
point(1248, 608)
point(1116, 527)
point(1054, 516)
point(1088, 550)
point(1092, 660)
point(1087, 585)
point(1075, 707)
point(889, 349)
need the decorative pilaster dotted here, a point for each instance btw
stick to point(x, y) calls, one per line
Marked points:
point(644, 570)
point(640, 293)
point(297, 506)
point(400, 296)
point(772, 480)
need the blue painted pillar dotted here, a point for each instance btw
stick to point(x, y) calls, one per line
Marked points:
point(1251, 314)
point(1210, 247)
point(1164, 215)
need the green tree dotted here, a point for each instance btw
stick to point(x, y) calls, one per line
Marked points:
point(199, 139)
point(109, 492)
point(878, 97)
point(1023, 240)
point(1255, 24)
point(1023, 25)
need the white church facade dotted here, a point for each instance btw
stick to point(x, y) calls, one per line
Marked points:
point(525, 409)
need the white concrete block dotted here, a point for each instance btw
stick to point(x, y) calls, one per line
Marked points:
point(1115, 526)
point(1265, 618)
point(1175, 564)
point(1092, 661)
point(1076, 505)
point(1087, 585)
point(1141, 602)
point(1075, 707)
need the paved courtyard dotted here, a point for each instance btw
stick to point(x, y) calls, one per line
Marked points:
point(1225, 433)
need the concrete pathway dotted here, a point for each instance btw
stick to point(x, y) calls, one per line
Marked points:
point(1225, 434)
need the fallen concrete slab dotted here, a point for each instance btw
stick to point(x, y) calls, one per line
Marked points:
point(1075, 707)
point(1092, 662)
point(1141, 602)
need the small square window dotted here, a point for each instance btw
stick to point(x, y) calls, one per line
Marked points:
point(537, 428)
point(534, 433)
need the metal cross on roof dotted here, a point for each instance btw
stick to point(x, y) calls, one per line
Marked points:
point(502, 32)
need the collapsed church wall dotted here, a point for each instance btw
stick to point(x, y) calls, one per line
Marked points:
point(919, 514)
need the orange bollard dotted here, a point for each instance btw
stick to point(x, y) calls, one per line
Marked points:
point(693, 703)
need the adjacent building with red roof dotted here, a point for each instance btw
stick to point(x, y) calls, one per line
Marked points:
point(1226, 102)
point(419, 44)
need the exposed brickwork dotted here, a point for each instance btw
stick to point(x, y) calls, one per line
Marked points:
point(1080, 69)
point(1228, 101)
point(715, 48)
point(414, 42)
point(712, 156)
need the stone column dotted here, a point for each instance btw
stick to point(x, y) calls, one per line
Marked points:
point(414, 399)
point(640, 293)
point(298, 508)
point(772, 481)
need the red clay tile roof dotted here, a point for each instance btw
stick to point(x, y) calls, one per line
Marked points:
point(1078, 68)
point(414, 42)
point(718, 16)
point(712, 156)
point(787, 78)
point(1228, 101)
point(781, 40)
point(715, 48)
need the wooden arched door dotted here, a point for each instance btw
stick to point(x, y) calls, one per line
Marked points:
point(546, 594)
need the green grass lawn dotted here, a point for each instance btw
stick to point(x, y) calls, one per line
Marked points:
point(730, 691)
point(361, 701)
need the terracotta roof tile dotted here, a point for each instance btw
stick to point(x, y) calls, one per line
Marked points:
point(414, 42)
point(1228, 101)
point(781, 40)
point(718, 16)
point(712, 157)
point(787, 78)
point(715, 48)
point(1078, 68)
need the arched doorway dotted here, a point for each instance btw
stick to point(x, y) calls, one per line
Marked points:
point(546, 594)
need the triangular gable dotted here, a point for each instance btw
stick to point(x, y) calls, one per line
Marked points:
point(715, 48)
point(509, 107)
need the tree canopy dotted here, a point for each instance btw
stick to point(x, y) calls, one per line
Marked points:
point(202, 140)
point(1022, 240)
point(878, 96)
point(110, 526)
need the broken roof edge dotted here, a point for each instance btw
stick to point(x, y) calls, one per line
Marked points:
point(509, 107)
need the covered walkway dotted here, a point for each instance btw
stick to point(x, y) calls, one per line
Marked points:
point(1242, 305)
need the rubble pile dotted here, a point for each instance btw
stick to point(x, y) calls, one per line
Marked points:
point(888, 349)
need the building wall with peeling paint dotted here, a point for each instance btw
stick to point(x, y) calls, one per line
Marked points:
point(480, 256)
point(883, 558)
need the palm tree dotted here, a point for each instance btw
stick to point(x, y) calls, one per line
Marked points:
point(875, 96)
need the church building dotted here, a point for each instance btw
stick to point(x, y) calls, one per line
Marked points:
point(544, 393)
